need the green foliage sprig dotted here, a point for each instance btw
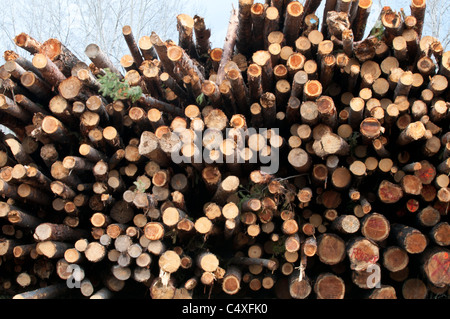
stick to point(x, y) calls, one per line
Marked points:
point(140, 187)
point(111, 86)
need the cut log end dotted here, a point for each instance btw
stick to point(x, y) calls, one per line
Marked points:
point(329, 286)
point(169, 261)
point(416, 243)
point(375, 227)
point(389, 193)
point(436, 267)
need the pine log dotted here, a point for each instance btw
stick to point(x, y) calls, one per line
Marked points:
point(362, 253)
point(132, 46)
point(436, 266)
point(231, 282)
point(48, 231)
point(95, 252)
point(409, 238)
point(27, 43)
point(299, 286)
point(440, 233)
point(23, 219)
point(346, 224)
point(101, 59)
point(329, 286)
point(389, 193)
point(375, 227)
point(244, 30)
point(229, 44)
point(418, 8)
point(49, 292)
point(292, 22)
point(395, 258)
point(330, 249)
point(48, 69)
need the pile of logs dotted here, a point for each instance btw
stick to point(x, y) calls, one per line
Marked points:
point(94, 204)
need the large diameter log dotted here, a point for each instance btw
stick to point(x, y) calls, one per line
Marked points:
point(55, 129)
point(413, 132)
point(409, 238)
point(370, 128)
point(184, 62)
point(428, 217)
point(375, 227)
point(362, 253)
point(440, 234)
point(208, 261)
point(395, 258)
point(330, 249)
point(389, 193)
point(384, 292)
point(172, 215)
point(436, 266)
point(414, 288)
point(169, 261)
point(329, 286)
point(60, 55)
point(95, 252)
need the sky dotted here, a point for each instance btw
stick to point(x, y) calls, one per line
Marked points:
point(217, 14)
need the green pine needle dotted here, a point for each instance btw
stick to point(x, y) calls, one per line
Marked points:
point(111, 86)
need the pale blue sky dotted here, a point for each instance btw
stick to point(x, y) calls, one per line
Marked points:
point(217, 14)
point(33, 18)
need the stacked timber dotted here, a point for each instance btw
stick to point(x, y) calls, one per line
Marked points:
point(300, 160)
